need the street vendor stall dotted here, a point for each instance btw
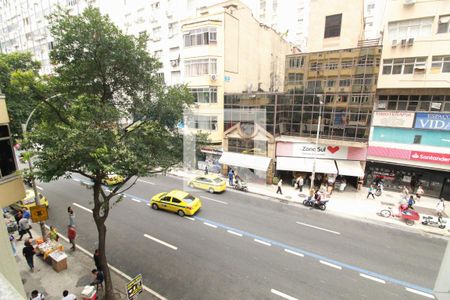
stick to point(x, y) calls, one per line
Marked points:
point(53, 253)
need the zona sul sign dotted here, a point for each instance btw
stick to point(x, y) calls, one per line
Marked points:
point(432, 121)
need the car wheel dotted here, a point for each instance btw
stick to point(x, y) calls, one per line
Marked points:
point(180, 213)
point(385, 213)
point(409, 222)
point(322, 207)
point(155, 206)
point(211, 190)
point(441, 226)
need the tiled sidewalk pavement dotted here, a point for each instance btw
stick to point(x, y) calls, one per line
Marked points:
point(350, 203)
point(78, 274)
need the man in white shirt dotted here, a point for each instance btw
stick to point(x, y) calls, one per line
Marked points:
point(67, 296)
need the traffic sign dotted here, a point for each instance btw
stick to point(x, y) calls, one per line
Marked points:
point(134, 287)
point(38, 213)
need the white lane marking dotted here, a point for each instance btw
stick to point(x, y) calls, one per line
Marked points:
point(125, 196)
point(320, 228)
point(82, 207)
point(145, 181)
point(136, 200)
point(156, 294)
point(210, 225)
point(189, 218)
point(76, 179)
point(420, 293)
point(215, 200)
point(233, 232)
point(161, 242)
point(372, 278)
point(282, 295)
point(330, 264)
point(39, 188)
point(262, 242)
point(293, 252)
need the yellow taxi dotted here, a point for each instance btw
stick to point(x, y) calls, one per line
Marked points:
point(113, 179)
point(176, 201)
point(29, 202)
point(210, 183)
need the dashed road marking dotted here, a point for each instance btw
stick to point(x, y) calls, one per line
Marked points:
point(262, 242)
point(161, 242)
point(330, 264)
point(136, 200)
point(319, 228)
point(76, 179)
point(215, 200)
point(82, 207)
point(293, 252)
point(282, 295)
point(420, 293)
point(372, 278)
point(234, 233)
point(189, 218)
point(210, 225)
point(145, 181)
point(39, 188)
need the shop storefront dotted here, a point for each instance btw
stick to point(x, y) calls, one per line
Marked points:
point(340, 163)
point(211, 159)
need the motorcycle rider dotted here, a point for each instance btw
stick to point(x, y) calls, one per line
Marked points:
point(318, 198)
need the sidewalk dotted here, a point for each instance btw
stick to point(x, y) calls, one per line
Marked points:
point(78, 274)
point(349, 204)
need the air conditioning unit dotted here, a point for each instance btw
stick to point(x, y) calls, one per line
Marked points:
point(409, 2)
point(394, 43)
point(213, 77)
point(410, 42)
point(403, 43)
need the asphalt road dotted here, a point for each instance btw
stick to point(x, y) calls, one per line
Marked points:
point(241, 246)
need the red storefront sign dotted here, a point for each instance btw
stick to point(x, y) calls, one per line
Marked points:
point(440, 158)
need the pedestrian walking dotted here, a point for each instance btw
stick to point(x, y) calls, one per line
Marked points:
point(360, 183)
point(53, 234)
point(72, 234)
point(28, 252)
point(13, 244)
point(419, 192)
point(230, 177)
point(98, 277)
point(280, 183)
point(68, 296)
point(440, 207)
point(71, 216)
point(24, 227)
point(97, 260)
point(411, 202)
point(405, 193)
point(300, 183)
point(26, 213)
point(206, 170)
point(35, 295)
point(371, 192)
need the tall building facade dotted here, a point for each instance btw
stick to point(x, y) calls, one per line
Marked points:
point(410, 140)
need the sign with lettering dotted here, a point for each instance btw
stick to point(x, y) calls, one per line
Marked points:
point(400, 119)
point(134, 287)
point(432, 121)
point(438, 158)
point(327, 151)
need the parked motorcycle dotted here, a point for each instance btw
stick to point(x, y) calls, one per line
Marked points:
point(241, 186)
point(429, 220)
point(322, 205)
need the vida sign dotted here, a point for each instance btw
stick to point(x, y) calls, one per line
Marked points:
point(432, 121)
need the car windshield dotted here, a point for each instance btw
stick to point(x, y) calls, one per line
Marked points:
point(189, 198)
point(217, 180)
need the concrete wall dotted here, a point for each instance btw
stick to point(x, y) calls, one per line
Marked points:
point(3, 111)
point(431, 45)
point(352, 25)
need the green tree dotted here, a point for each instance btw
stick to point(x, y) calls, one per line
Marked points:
point(114, 113)
point(22, 86)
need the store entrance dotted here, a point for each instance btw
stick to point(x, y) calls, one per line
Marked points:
point(446, 189)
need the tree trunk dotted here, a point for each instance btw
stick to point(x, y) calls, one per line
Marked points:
point(101, 229)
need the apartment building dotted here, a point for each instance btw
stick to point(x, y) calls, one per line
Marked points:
point(410, 140)
point(225, 50)
point(11, 191)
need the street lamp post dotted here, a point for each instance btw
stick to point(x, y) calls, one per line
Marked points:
point(319, 121)
point(30, 166)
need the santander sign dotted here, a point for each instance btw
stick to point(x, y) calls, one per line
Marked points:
point(440, 158)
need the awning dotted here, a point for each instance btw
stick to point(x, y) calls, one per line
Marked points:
point(306, 164)
point(256, 162)
point(349, 168)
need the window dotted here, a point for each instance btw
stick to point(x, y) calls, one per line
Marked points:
point(441, 63)
point(157, 54)
point(314, 84)
point(198, 67)
point(410, 28)
point(417, 139)
point(333, 26)
point(173, 29)
point(157, 33)
point(408, 65)
point(443, 26)
point(346, 64)
point(296, 62)
point(331, 82)
point(201, 36)
point(204, 94)
point(155, 5)
point(315, 66)
point(176, 201)
point(295, 78)
point(345, 82)
point(204, 122)
point(331, 65)
point(7, 161)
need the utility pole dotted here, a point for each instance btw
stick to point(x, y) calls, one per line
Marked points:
point(313, 176)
